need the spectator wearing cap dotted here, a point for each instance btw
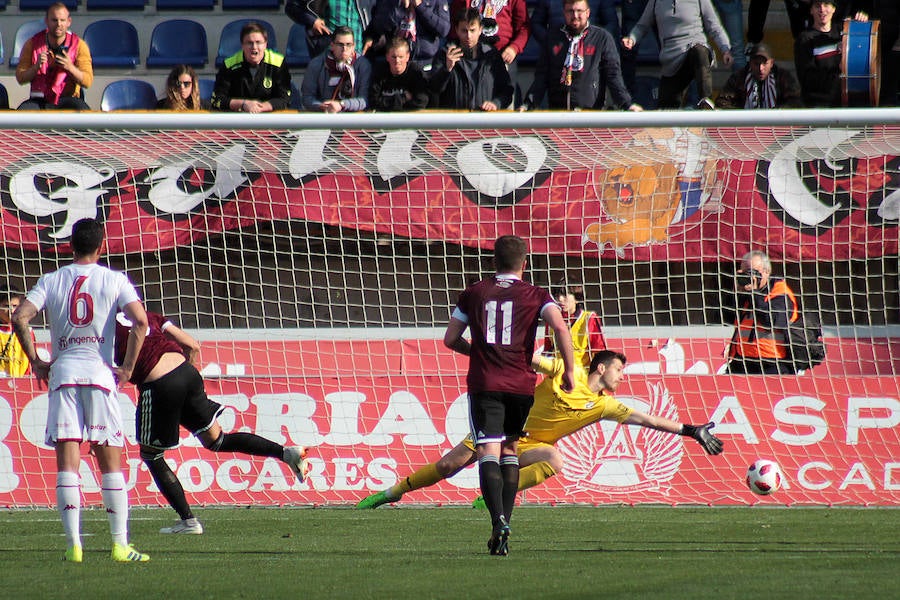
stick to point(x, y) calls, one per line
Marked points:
point(760, 84)
point(817, 57)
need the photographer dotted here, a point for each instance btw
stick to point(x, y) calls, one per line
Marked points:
point(759, 344)
point(57, 64)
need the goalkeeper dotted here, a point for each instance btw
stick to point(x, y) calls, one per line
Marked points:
point(555, 415)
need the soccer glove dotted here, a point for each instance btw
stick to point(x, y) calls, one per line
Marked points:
point(710, 443)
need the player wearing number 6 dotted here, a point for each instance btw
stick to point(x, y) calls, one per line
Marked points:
point(501, 313)
point(81, 301)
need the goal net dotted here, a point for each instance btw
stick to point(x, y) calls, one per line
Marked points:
point(318, 266)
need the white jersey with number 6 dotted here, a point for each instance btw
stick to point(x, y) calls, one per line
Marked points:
point(81, 302)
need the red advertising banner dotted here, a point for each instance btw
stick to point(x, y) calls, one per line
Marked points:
point(837, 440)
point(667, 194)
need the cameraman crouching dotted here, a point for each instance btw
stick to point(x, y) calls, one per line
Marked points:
point(759, 344)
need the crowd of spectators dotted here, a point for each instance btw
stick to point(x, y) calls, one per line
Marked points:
point(397, 55)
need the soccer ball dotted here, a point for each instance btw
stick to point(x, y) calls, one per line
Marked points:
point(764, 477)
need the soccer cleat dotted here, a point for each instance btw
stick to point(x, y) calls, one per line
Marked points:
point(74, 554)
point(127, 553)
point(375, 500)
point(187, 526)
point(479, 502)
point(295, 457)
point(499, 542)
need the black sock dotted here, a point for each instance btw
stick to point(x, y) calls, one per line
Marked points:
point(491, 485)
point(509, 467)
point(169, 485)
point(248, 443)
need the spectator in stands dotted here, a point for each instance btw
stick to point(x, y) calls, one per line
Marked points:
point(183, 91)
point(422, 23)
point(398, 84)
point(13, 359)
point(322, 18)
point(505, 26)
point(731, 13)
point(577, 65)
point(338, 80)
point(631, 14)
point(888, 13)
point(685, 54)
point(254, 80)
point(470, 74)
point(760, 84)
point(57, 64)
point(547, 17)
point(817, 57)
point(759, 344)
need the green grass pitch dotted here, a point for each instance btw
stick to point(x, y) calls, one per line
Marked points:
point(419, 553)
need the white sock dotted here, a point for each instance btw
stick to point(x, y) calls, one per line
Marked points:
point(68, 503)
point(115, 498)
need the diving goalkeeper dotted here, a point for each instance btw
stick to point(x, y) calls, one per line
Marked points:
point(554, 415)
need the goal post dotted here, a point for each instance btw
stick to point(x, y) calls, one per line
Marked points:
point(317, 258)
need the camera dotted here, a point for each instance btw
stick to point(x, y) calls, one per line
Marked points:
point(747, 277)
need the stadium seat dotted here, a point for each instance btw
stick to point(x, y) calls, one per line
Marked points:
point(23, 34)
point(2, 49)
point(185, 4)
point(206, 88)
point(115, 4)
point(250, 5)
point(128, 94)
point(113, 43)
point(42, 5)
point(176, 42)
point(230, 39)
point(297, 51)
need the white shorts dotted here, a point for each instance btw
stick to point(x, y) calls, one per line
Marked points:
point(82, 413)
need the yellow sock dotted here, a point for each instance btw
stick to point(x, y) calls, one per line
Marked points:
point(422, 477)
point(534, 474)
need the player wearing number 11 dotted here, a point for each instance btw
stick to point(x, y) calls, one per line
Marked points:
point(502, 313)
point(81, 300)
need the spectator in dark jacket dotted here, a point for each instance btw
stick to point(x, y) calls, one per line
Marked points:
point(338, 80)
point(398, 84)
point(577, 66)
point(423, 23)
point(547, 17)
point(505, 26)
point(255, 79)
point(470, 75)
point(322, 17)
point(760, 84)
point(817, 57)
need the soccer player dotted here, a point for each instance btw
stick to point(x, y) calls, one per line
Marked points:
point(555, 415)
point(501, 313)
point(81, 300)
point(171, 392)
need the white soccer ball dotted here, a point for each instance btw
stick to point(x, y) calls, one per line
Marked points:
point(764, 477)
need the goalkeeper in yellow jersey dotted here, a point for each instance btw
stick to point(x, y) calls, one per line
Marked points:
point(554, 415)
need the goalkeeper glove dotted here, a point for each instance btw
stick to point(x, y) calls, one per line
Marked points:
point(710, 443)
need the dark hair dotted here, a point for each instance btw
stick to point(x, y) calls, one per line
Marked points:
point(564, 288)
point(342, 30)
point(469, 15)
point(509, 253)
point(87, 236)
point(254, 27)
point(605, 358)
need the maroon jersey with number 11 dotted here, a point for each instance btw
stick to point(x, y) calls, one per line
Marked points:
point(502, 313)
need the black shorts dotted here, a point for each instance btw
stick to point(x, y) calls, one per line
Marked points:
point(496, 416)
point(176, 398)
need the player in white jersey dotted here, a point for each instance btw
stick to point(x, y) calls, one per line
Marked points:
point(81, 301)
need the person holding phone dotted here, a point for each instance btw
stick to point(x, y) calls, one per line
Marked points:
point(57, 64)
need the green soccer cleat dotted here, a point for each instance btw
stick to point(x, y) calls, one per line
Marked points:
point(479, 503)
point(74, 554)
point(374, 501)
point(127, 553)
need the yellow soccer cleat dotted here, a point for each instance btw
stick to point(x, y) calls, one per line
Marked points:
point(127, 553)
point(74, 554)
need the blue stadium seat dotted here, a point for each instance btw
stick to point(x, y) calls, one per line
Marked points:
point(185, 4)
point(3, 4)
point(206, 88)
point(230, 39)
point(23, 34)
point(297, 51)
point(115, 4)
point(250, 5)
point(113, 43)
point(128, 94)
point(42, 5)
point(178, 42)
point(1, 50)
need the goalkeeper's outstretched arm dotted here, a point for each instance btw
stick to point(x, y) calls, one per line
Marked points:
point(701, 433)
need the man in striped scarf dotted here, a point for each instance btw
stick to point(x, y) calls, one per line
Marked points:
point(760, 84)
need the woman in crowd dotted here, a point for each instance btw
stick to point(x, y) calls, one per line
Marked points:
point(183, 91)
